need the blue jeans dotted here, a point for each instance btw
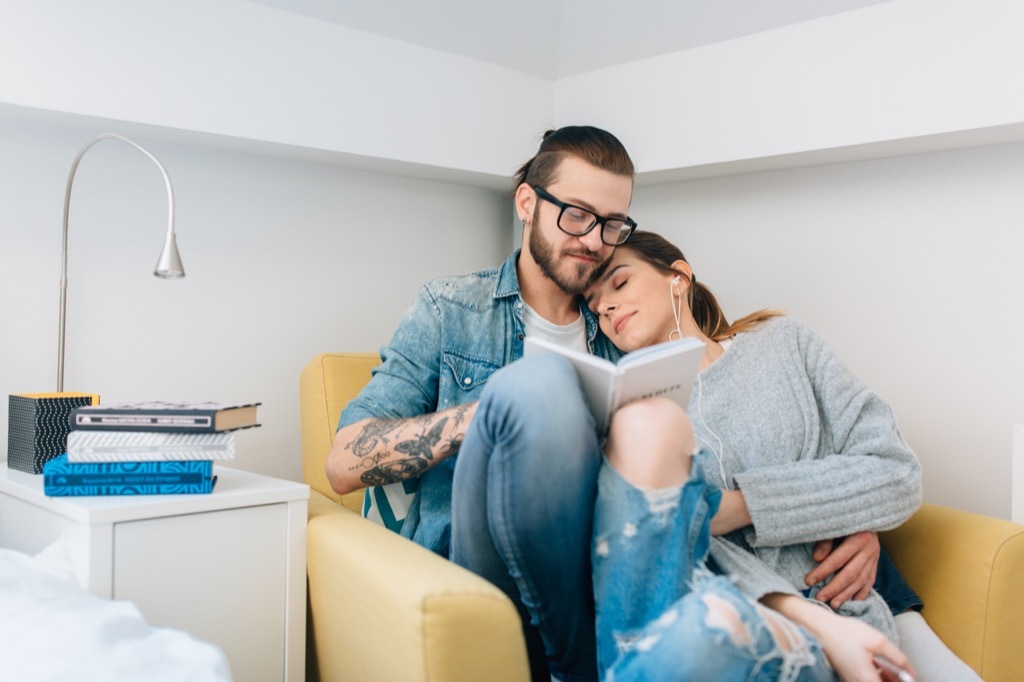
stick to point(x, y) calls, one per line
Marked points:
point(523, 497)
point(654, 596)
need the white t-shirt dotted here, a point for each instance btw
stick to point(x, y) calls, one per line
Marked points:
point(572, 335)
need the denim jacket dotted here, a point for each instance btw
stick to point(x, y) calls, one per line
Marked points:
point(458, 332)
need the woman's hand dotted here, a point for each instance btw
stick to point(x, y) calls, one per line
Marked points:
point(849, 644)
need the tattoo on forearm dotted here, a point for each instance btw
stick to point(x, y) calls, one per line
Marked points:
point(392, 472)
point(423, 444)
point(375, 431)
point(452, 445)
point(459, 416)
point(420, 448)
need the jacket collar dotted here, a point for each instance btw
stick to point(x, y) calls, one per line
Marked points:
point(508, 281)
point(508, 285)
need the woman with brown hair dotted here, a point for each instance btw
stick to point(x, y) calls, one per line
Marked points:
point(789, 447)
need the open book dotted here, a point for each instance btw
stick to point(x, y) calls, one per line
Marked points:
point(666, 369)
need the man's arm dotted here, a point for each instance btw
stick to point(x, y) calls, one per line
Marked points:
point(379, 451)
point(854, 561)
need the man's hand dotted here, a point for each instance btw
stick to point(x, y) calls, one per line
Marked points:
point(853, 559)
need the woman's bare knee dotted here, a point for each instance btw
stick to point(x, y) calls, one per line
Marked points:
point(650, 443)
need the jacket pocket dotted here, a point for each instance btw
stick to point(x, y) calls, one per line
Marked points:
point(467, 374)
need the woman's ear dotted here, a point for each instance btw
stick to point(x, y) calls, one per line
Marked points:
point(684, 278)
point(525, 201)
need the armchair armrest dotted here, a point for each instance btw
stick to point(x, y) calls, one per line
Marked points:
point(384, 608)
point(969, 570)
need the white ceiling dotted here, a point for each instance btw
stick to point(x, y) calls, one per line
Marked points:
point(557, 38)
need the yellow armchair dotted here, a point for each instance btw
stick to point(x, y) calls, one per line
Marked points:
point(383, 608)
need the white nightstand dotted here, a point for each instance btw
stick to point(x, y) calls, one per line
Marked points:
point(228, 567)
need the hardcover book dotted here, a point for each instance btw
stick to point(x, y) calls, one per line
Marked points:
point(63, 478)
point(38, 427)
point(667, 369)
point(181, 417)
point(148, 446)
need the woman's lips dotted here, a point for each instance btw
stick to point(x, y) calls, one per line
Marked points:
point(620, 322)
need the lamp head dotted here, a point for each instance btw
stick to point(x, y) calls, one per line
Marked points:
point(169, 264)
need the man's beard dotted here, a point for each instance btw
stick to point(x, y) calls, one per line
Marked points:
point(544, 255)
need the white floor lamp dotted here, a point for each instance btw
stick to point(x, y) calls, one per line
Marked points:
point(168, 266)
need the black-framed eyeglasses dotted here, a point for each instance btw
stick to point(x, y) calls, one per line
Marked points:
point(578, 221)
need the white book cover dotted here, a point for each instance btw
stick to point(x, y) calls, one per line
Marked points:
point(666, 369)
point(148, 446)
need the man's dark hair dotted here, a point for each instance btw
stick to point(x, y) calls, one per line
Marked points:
point(597, 147)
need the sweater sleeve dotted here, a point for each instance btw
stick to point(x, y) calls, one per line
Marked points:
point(871, 479)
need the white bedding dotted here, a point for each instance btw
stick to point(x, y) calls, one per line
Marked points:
point(52, 629)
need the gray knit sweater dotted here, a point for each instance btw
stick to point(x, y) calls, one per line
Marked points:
point(815, 452)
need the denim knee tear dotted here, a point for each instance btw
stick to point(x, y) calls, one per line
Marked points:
point(601, 548)
point(629, 530)
point(662, 501)
point(795, 652)
point(721, 615)
point(637, 642)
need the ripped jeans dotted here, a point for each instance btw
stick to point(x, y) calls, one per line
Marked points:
point(661, 615)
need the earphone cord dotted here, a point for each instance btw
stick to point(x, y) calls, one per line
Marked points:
point(721, 448)
point(677, 333)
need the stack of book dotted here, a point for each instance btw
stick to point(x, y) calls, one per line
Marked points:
point(151, 448)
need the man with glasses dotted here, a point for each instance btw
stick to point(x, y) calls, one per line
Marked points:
point(516, 505)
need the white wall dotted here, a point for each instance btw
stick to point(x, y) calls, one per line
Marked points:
point(235, 72)
point(897, 75)
point(910, 267)
point(877, 79)
point(284, 260)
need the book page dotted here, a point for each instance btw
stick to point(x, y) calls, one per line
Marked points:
point(596, 376)
point(674, 347)
point(663, 369)
point(668, 372)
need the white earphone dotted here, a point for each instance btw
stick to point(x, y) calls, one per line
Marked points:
point(677, 333)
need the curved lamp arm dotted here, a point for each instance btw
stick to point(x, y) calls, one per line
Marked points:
point(168, 266)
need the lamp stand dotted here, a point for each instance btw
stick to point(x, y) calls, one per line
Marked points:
point(168, 266)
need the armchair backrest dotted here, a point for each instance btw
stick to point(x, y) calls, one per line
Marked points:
point(326, 385)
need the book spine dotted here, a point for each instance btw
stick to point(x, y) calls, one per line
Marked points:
point(160, 423)
point(38, 427)
point(100, 484)
point(146, 446)
point(60, 478)
point(110, 455)
point(61, 467)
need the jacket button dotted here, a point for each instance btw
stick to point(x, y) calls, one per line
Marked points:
point(520, 336)
point(467, 381)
